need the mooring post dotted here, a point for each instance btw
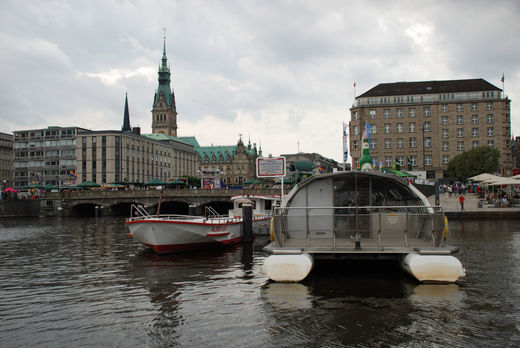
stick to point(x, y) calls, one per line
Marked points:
point(247, 223)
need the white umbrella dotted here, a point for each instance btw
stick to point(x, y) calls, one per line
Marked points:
point(484, 177)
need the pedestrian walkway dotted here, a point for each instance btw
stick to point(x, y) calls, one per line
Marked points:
point(451, 204)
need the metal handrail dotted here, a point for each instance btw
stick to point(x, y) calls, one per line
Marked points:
point(433, 233)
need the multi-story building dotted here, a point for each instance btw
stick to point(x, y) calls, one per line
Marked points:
point(234, 163)
point(428, 123)
point(6, 160)
point(44, 156)
point(118, 156)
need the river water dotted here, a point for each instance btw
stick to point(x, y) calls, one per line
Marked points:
point(83, 282)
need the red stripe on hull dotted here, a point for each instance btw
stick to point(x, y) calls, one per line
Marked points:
point(172, 248)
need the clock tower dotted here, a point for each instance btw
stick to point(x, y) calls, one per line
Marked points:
point(164, 112)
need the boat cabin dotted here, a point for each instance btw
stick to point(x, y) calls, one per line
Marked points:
point(364, 211)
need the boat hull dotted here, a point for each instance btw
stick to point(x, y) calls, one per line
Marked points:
point(169, 236)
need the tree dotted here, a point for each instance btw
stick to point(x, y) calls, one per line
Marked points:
point(482, 159)
point(192, 181)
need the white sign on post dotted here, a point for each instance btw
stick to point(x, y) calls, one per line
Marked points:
point(270, 167)
point(267, 167)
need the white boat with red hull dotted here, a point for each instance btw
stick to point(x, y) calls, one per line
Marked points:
point(173, 233)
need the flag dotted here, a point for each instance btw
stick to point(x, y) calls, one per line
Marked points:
point(345, 143)
point(366, 132)
point(354, 84)
point(502, 79)
point(320, 169)
point(73, 174)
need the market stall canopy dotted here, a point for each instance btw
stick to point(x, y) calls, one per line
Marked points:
point(88, 184)
point(503, 181)
point(252, 182)
point(176, 182)
point(50, 187)
point(156, 182)
point(515, 177)
point(484, 177)
point(10, 189)
point(33, 186)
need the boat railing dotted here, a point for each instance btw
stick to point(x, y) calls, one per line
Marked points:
point(138, 211)
point(375, 226)
point(211, 213)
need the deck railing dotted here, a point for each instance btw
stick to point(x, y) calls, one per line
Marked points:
point(377, 226)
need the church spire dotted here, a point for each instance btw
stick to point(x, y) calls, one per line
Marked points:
point(126, 119)
point(164, 113)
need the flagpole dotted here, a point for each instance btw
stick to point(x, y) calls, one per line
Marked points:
point(503, 87)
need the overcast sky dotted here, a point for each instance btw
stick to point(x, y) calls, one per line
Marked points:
point(279, 72)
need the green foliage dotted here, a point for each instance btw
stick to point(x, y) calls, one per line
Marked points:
point(192, 181)
point(480, 160)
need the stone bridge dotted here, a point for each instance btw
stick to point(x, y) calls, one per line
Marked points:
point(118, 203)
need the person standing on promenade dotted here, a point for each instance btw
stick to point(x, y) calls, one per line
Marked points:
point(461, 201)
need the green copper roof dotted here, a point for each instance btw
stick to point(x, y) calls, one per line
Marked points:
point(190, 140)
point(306, 166)
point(163, 137)
point(220, 153)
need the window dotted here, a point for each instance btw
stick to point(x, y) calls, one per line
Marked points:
point(490, 118)
point(427, 160)
point(386, 113)
point(474, 132)
point(426, 111)
point(373, 144)
point(399, 112)
point(411, 112)
point(414, 160)
point(354, 115)
point(460, 119)
point(399, 128)
point(355, 130)
point(444, 108)
point(356, 144)
point(474, 118)
point(490, 131)
point(400, 143)
point(427, 126)
point(445, 146)
point(474, 144)
point(460, 146)
point(474, 107)
point(459, 107)
point(373, 129)
point(388, 161)
point(489, 106)
point(413, 142)
point(387, 128)
point(428, 142)
point(444, 120)
point(460, 132)
point(399, 160)
point(445, 159)
point(372, 113)
point(491, 143)
point(388, 143)
point(445, 133)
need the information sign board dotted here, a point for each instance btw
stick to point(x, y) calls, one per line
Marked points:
point(270, 167)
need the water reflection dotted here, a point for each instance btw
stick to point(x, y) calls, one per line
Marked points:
point(66, 282)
